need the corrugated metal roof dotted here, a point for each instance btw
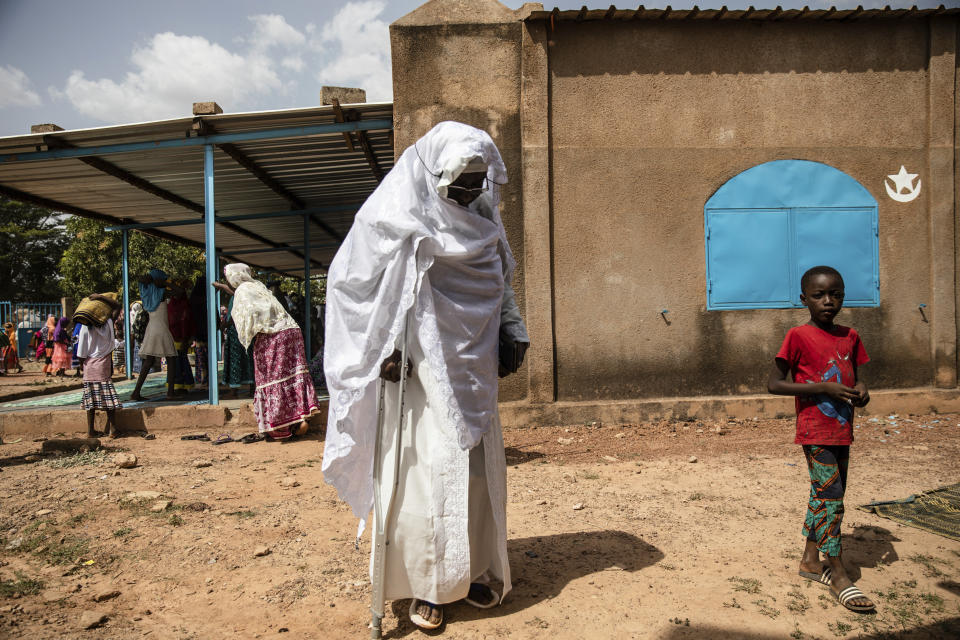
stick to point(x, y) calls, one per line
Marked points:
point(832, 14)
point(315, 171)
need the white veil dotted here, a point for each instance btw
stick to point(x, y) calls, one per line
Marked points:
point(379, 273)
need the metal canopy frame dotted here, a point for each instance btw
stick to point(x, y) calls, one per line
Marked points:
point(266, 160)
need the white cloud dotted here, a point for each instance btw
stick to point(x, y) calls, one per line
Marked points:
point(273, 30)
point(363, 50)
point(294, 63)
point(15, 89)
point(173, 71)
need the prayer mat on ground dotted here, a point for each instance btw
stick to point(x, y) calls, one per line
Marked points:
point(937, 510)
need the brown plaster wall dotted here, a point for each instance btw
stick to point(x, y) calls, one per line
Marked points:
point(469, 73)
point(616, 133)
point(647, 126)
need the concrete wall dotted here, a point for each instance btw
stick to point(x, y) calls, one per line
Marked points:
point(615, 134)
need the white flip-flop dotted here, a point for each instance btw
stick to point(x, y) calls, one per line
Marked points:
point(494, 601)
point(852, 593)
point(419, 620)
point(824, 577)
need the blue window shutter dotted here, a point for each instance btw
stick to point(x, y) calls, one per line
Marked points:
point(748, 263)
point(845, 239)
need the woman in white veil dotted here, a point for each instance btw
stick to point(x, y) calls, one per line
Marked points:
point(427, 252)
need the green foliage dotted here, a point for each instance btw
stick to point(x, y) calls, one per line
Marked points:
point(92, 263)
point(22, 586)
point(32, 239)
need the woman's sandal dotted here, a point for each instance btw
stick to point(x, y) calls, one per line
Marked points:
point(199, 436)
point(824, 577)
point(250, 438)
point(477, 591)
point(852, 593)
point(223, 439)
point(419, 620)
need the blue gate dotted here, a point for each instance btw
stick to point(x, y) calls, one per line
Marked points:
point(27, 317)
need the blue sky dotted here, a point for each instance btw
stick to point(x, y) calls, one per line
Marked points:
point(86, 63)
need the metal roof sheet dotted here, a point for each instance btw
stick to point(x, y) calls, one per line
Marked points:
point(778, 13)
point(317, 170)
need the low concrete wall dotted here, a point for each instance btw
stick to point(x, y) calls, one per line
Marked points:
point(213, 419)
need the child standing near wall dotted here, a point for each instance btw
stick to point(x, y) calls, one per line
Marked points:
point(823, 360)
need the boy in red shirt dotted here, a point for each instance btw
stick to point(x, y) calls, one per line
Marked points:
point(823, 360)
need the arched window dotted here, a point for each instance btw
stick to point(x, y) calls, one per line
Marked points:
point(769, 224)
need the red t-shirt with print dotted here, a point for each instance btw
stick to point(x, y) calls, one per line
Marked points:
point(815, 355)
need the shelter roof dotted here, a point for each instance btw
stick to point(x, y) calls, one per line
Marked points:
point(325, 160)
point(777, 13)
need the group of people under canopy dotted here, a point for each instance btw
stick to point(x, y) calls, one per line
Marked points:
point(263, 345)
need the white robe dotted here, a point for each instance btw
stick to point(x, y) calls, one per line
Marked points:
point(412, 253)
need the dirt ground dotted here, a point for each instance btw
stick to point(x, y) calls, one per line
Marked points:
point(614, 532)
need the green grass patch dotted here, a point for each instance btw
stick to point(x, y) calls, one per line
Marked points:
point(245, 514)
point(175, 520)
point(77, 520)
point(66, 552)
point(21, 586)
point(766, 609)
point(929, 564)
point(747, 585)
point(840, 628)
point(83, 459)
point(799, 602)
point(590, 475)
point(122, 532)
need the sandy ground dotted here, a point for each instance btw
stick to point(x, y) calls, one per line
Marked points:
point(613, 533)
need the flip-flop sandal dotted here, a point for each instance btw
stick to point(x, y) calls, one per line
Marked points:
point(199, 436)
point(419, 620)
point(494, 597)
point(251, 438)
point(223, 439)
point(852, 593)
point(824, 577)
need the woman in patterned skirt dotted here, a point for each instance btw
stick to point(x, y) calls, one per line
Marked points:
point(284, 396)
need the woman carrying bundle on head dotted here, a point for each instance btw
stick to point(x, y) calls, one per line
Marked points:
point(157, 339)
point(284, 396)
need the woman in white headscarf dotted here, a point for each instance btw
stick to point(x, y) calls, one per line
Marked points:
point(284, 395)
point(427, 251)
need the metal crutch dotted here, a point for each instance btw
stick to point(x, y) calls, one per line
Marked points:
point(380, 516)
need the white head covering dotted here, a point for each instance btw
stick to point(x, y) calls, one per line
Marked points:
point(255, 310)
point(412, 248)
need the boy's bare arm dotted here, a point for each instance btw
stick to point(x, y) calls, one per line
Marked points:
point(779, 385)
point(861, 387)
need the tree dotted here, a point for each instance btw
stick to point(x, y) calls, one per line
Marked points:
point(32, 239)
point(93, 262)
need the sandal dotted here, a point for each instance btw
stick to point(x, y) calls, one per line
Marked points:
point(477, 590)
point(824, 577)
point(223, 439)
point(199, 436)
point(251, 438)
point(419, 620)
point(852, 593)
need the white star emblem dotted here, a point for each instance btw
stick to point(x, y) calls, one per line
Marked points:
point(904, 189)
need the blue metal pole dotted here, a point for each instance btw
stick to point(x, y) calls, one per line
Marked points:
point(211, 255)
point(127, 338)
point(308, 312)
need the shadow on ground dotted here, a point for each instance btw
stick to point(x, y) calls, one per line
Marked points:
point(543, 566)
point(949, 628)
point(519, 456)
point(868, 547)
